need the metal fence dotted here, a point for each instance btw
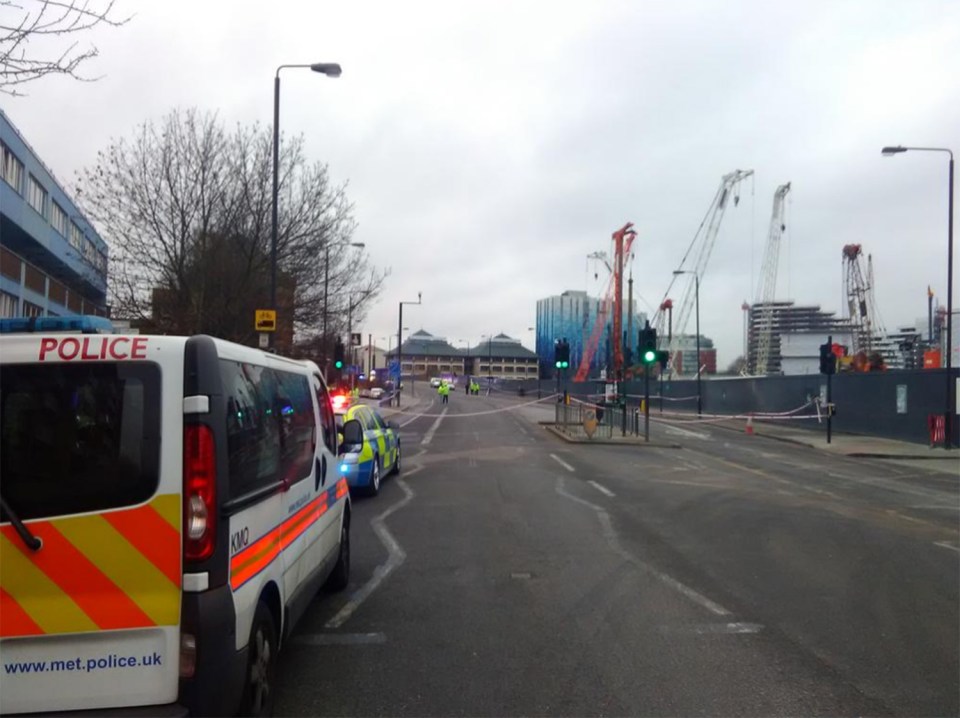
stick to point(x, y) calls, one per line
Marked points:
point(572, 419)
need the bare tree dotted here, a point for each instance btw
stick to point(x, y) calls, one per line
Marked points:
point(37, 38)
point(185, 206)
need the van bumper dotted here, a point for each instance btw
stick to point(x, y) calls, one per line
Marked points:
point(170, 710)
point(217, 684)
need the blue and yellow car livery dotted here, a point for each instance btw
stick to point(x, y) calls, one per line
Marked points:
point(379, 455)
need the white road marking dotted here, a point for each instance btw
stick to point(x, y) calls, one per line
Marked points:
point(339, 639)
point(947, 544)
point(601, 488)
point(562, 463)
point(714, 628)
point(428, 437)
point(676, 430)
point(395, 558)
point(610, 534)
point(414, 417)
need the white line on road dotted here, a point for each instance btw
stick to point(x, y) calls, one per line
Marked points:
point(562, 463)
point(414, 417)
point(715, 628)
point(676, 430)
point(339, 639)
point(610, 534)
point(601, 488)
point(395, 558)
point(947, 544)
point(428, 437)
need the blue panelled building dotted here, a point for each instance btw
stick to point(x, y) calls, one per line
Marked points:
point(52, 261)
point(572, 315)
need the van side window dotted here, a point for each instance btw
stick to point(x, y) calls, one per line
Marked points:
point(298, 425)
point(253, 431)
point(78, 437)
point(327, 420)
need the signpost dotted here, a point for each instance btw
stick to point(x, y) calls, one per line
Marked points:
point(265, 322)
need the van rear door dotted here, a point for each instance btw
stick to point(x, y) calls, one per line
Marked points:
point(90, 619)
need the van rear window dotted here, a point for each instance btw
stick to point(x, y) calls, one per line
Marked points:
point(78, 437)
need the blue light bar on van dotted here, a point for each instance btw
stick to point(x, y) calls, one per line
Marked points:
point(83, 324)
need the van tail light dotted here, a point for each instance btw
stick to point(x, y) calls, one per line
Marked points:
point(199, 493)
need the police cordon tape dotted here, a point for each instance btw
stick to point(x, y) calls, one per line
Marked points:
point(716, 418)
point(447, 415)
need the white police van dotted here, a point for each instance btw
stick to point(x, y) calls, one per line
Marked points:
point(171, 505)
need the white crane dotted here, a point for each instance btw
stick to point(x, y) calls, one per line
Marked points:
point(702, 243)
point(768, 280)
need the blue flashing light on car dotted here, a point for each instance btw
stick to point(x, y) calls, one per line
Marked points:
point(85, 324)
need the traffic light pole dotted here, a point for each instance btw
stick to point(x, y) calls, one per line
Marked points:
point(829, 395)
point(646, 402)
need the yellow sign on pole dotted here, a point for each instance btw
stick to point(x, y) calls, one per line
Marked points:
point(265, 320)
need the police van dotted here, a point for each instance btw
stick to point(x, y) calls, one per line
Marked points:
point(170, 507)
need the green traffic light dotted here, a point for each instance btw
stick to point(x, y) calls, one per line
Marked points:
point(649, 356)
point(558, 364)
point(338, 365)
point(566, 364)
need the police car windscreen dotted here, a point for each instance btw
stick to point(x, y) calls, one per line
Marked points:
point(78, 437)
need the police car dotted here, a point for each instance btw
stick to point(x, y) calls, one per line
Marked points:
point(371, 452)
point(171, 505)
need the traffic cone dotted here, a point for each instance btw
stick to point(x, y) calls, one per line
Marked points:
point(750, 426)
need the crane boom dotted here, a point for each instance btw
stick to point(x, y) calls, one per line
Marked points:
point(702, 242)
point(768, 279)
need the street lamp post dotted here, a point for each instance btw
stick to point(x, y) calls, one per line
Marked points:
point(330, 69)
point(696, 278)
point(326, 287)
point(950, 399)
point(533, 329)
point(400, 346)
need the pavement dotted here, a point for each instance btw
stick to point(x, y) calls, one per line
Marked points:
point(506, 572)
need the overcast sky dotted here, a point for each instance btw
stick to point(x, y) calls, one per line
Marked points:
point(490, 146)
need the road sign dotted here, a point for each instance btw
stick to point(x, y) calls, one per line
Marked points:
point(395, 368)
point(265, 320)
point(264, 340)
point(355, 339)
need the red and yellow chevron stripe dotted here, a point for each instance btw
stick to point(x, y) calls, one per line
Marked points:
point(118, 569)
point(247, 563)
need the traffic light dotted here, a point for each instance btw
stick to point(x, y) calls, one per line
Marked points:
point(828, 360)
point(648, 345)
point(561, 354)
point(338, 355)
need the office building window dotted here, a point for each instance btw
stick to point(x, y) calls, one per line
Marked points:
point(32, 310)
point(12, 168)
point(8, 305)
point(76, 237)
point(58, 218)
point(36, 194)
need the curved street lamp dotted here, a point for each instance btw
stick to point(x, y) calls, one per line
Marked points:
point(330, 69)
point(951, 400)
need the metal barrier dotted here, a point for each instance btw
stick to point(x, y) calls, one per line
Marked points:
point(570, 419)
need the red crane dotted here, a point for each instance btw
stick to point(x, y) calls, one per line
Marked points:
point(623, 240)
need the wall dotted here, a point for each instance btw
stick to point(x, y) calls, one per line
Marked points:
point(866, 403)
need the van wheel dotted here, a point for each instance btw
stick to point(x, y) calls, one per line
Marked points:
point(396, 463)
point(340, 576)
point(260, 687)
point(374, 488)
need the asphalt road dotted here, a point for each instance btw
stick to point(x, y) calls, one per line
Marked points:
point(507, 572)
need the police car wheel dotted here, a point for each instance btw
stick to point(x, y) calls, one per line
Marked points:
point(374, 488)
point(340, 576)
point(259, 689)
